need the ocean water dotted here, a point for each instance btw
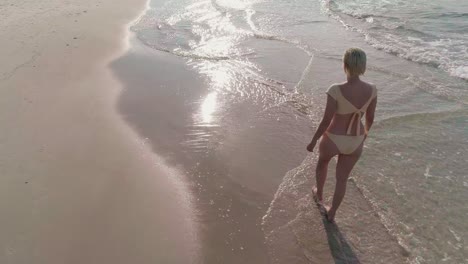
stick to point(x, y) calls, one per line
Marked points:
point(429, 32)
point(271, 61)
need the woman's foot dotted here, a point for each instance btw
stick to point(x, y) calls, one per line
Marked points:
point(317, 199)
point(330, 214)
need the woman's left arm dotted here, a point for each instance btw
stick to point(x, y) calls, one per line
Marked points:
point(330, 110)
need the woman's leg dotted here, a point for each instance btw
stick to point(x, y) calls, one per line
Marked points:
point(343, 169)
point(327, 150)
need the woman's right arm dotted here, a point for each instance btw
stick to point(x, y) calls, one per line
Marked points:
point(330, 110)
point(370, 114)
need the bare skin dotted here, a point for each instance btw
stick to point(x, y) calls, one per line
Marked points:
point(358, 93)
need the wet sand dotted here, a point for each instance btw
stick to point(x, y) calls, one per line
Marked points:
point(78, 185)
point(160, 97)
point(231, 165)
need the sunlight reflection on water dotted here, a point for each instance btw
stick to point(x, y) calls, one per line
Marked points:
point(208, 107)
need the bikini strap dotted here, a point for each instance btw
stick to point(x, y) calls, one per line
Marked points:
point(358, 114)
point(355, 117)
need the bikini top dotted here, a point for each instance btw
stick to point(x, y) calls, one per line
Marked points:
point(346, 107)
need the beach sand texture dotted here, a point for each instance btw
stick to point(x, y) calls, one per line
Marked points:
point(77, 185)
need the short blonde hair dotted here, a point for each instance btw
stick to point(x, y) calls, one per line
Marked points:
point(354, 61)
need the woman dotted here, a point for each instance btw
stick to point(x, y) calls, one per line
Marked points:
point(341, 129)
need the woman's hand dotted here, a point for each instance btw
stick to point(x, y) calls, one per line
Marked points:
point(311, 146)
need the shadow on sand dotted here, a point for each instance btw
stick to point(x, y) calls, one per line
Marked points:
point(341, 251)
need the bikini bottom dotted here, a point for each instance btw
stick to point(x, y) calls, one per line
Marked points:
point(346, 144)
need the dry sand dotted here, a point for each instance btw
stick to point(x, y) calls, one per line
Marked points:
point(77, 185)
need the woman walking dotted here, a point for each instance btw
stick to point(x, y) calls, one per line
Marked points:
point(341, 129)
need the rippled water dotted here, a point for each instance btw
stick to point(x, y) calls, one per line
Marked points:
point(283, 55)
point(430, 32)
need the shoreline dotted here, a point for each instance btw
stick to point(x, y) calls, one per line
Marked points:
point(69, 191)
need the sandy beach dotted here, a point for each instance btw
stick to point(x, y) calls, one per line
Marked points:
point(77, 184)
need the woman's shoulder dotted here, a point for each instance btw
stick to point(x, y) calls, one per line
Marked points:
point(374, 89)
point(372, 85)
point(338, 84)
point(333, 90)
point(334, 86)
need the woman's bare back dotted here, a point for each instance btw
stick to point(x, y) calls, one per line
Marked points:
point(357, 93)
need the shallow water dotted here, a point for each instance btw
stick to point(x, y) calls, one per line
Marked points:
point(264, 67)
